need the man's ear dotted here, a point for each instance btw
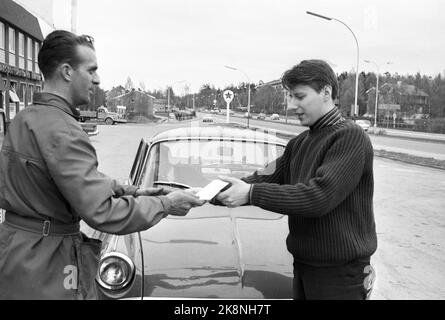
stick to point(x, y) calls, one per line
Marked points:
point(66, 71)
point(327, 92)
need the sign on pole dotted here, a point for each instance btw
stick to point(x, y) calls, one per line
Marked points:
point(228, 96)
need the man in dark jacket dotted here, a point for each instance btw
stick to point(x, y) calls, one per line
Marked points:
point(324, 183)
point(49, 182)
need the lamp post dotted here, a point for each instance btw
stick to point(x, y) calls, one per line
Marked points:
point(358, 53)
point(376, 90)
point(168, 93)
point(248, 90)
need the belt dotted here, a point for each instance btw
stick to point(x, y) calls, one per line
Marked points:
point(43, 227)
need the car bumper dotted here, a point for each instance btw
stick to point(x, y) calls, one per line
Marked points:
point(93, 133)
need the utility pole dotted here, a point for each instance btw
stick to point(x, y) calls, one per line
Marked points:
point(74, 16)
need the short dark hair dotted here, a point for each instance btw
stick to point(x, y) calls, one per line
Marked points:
point(59, 47)
point(313, 73)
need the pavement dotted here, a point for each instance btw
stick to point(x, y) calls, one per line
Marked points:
point(431, 142)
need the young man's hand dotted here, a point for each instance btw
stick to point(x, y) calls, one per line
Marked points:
point(237, 195)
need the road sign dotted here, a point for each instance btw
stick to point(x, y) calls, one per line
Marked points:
point(228, 96)
point(390, 107)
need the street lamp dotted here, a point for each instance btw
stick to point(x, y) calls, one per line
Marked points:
point(168, 93)
point(358, 52)
point(376, 89)
point(248, 90)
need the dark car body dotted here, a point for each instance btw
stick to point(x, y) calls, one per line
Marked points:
point(213, 251)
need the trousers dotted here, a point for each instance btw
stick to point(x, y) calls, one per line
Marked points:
point(351, 281)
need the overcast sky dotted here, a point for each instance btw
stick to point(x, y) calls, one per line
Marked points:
point(160, 42)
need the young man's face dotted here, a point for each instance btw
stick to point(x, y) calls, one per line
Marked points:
point(309, 105)
point(85, 76)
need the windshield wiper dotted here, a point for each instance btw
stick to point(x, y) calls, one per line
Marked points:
point(172, 184)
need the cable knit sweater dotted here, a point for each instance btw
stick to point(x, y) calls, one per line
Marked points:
point(324, 183)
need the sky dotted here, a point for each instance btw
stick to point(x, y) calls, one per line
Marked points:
point(176, 43)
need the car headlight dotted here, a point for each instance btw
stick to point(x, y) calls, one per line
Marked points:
point(116, 271)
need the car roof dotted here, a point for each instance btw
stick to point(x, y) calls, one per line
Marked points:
point(218, 132)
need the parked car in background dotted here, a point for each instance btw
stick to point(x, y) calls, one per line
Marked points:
point(363, 123)
point(261, 116)
point(213, 251)
point(207, 119)
point(89, 128)
point(247, 115)
point(275, 116)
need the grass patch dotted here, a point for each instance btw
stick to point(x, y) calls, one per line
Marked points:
point(397, 156)
point(408, 158)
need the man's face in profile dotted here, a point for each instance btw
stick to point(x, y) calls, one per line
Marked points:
point(307, 103)
point(85, 76)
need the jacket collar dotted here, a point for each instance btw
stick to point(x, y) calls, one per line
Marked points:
point(50, 99)
point(329, 119)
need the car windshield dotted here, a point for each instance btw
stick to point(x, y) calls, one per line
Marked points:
point(197, 162)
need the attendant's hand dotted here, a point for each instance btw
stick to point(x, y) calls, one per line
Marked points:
point(182, 201)
point(237, 195)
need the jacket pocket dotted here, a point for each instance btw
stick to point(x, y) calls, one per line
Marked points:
point(88, 254)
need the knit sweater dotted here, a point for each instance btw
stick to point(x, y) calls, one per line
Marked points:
point(324, 183)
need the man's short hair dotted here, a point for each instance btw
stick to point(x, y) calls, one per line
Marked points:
point(313, 73)
point(59, 47)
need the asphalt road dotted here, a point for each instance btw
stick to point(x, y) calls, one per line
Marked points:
point(408, 206)
point(421, 148)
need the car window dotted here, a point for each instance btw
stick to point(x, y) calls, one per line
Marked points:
point(197, 162)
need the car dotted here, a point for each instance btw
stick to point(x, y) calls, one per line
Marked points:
point(207, 119)
point(261, 116)
point(275, 116)
point(363, 123)
point(213, 251)
point(247, 115)
point(89, 128)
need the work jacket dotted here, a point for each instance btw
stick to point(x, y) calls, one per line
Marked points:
point(49, 182)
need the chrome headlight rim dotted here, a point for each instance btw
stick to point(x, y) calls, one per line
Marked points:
point(131, 274)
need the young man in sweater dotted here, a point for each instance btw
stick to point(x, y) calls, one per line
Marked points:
point(324, 183)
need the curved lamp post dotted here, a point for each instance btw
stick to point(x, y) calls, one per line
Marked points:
point(248, 94)
point(376, 89)
point(358, 53)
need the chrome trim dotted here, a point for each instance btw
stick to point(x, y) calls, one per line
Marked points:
point(127, 281)
point(152, 141)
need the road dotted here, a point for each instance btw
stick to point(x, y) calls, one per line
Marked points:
point(421, 148)
point(408, 205)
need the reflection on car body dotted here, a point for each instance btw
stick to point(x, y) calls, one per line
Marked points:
point(213, 252)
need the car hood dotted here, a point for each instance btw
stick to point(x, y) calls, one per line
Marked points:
point(215, 252)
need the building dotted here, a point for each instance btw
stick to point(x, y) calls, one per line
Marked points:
point(276, 84)
point(20, 40)
point(403, 100)
point(138, 103)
